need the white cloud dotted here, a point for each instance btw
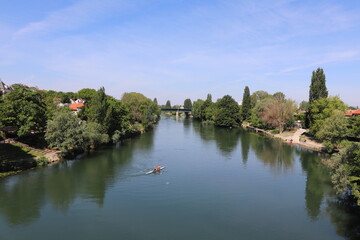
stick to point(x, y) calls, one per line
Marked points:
point(72, 17)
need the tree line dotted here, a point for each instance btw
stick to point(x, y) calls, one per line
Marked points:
point(322, 115)
point(36, 114)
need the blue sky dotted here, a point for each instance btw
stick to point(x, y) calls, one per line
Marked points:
point(177, 49)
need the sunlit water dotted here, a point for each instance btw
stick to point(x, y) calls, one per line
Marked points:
point(218, 184)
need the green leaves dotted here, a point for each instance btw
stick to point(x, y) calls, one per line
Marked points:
point(23, 108)
point(333, 131)
point(66, 133)
point(318, 85)
point(246, 105)
point(187, 103)
point(323, 108)
point(345, 171)
point(227, 112)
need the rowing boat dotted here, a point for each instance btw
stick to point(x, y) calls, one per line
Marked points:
point(155, 170)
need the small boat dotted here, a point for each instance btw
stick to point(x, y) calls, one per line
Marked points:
point(155, 170)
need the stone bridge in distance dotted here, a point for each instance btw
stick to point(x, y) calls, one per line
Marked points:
point(187, 111)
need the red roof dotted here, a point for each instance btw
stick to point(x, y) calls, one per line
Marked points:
point(76, 106)
point(350, 113)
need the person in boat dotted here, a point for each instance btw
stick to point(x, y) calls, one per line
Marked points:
point(158, 167)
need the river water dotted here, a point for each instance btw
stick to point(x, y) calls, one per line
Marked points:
point(217, 184)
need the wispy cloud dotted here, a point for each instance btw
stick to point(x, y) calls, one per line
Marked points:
point(72, 17)
point(333, 57)
point(175, 48)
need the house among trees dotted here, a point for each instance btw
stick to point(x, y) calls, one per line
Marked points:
point(76, 106)
point(4, 89)
point(351, 113)
point(80, 100)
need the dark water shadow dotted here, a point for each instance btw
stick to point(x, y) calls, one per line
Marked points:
point(23, 196)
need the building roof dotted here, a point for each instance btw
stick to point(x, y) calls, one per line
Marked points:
point(350, 113)
point(76, 106)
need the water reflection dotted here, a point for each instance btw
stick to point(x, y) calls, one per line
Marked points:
point(226, 139)
point(245, 146)
point(279, 156)
point(318, 184)
point(345, 217)
point(22, 197)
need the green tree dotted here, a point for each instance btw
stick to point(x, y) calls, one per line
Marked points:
point(258, 96)
point(196, 109)
point(98, 107)
point(304, 105)
point(318, 86)
point(333, 131)
point(345, 171)
point(94, 135)
point(168, 104)
point(155, 101)
point(227, 112)
point(322, 109)
point(354, 126)
point(317, 91)
point(23, 108)
point(279, 95)
point(118, 118)
point(65, 132)
point(246, 105)
point(87, 93)
point(187, 103)
point(142, 109)
point(209, 97)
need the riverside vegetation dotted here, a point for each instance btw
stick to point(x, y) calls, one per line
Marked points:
point(105, 119)
point(323, 115)
point(39, 120)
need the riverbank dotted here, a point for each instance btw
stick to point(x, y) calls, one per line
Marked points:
point(292, 137)
point(16, 157)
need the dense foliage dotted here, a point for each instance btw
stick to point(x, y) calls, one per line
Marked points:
point(65, 132)
point(24, 109)
point(142, 109)
point(323, 108)
point(188, 103)
point(227, 113)
point(101, 120)
point(345, 171)
point(318, 86)
point(317, 91)
point(168, 104)
point(246, 105)
point(334, 130)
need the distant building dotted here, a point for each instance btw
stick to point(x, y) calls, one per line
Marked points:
point(80, 100)
point(76, 107)
point(351, 113)
point(4, 89)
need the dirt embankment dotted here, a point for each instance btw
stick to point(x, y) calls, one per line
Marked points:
point(295, 137)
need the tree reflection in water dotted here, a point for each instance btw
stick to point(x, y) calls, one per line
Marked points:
point(22, 197)
point(274, 153)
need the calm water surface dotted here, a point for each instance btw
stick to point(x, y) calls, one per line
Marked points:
point(218, 184)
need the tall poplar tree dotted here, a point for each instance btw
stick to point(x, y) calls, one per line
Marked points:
point(318, 86)
point(317, 90)
point(168, 104)
point(188, 103)
point(246, 104)
point(155, 101)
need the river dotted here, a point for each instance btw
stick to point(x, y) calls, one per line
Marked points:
point(217, 184)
